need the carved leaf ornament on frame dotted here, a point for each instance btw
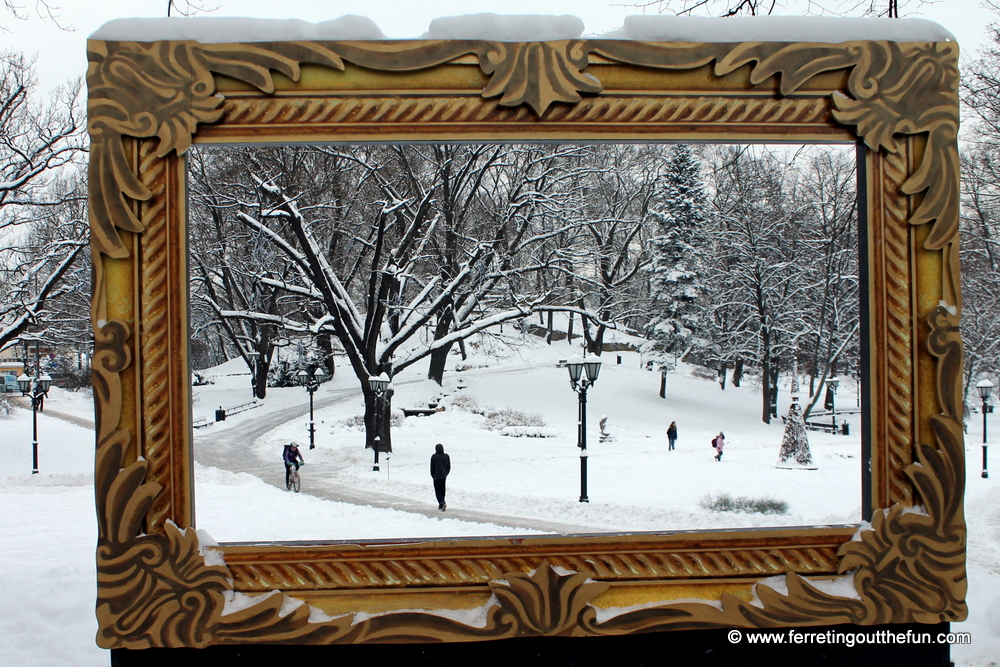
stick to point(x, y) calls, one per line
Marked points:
point(158, 589)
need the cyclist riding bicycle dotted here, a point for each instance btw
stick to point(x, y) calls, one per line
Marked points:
point(291, 456)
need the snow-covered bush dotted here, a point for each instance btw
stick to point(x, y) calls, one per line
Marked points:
point(357, 422)
point(6, 407)
point(460, 368)
point(498, 420)
point(529, 432)
point(282, 374)
point(201, 378)
point(723, 502)
point(704, 373)
point(465, 402)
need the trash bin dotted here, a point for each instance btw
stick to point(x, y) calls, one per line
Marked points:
point(845, 428)
point(220, 415)
point(619, 360)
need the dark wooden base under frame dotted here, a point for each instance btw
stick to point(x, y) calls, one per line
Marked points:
point(704, 648)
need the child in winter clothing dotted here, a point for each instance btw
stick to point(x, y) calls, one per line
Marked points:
point(719, 442)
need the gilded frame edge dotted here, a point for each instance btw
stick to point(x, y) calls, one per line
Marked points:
point(156, 587)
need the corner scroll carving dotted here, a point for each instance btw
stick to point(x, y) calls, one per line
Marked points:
point(894, 90)
point(164, 90)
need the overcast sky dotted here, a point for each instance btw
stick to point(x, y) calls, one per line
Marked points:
point(62, 54)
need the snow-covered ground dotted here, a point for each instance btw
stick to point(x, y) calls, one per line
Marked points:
point(47, 589)
point(634, 482)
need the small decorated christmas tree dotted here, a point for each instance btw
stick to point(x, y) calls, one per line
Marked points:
point(795, 443)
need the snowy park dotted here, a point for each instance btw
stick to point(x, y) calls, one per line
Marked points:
point(372, 302)
point(525, 477)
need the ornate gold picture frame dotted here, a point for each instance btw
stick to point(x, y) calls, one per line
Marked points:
point(161, 584)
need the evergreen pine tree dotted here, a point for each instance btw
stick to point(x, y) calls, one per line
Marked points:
point(676, 281)
point(794, 452)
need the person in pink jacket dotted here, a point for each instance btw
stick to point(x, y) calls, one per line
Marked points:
point(719, 442)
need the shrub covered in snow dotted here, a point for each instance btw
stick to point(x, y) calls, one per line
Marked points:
point(499, 419)
point(704, 373)
point(201, 378)
point(6, 407)
point(357, 422)
point(723, 502)
point(529, 432)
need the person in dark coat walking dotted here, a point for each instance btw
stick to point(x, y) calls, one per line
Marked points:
point(39, 397)
point(440, 467)
point(672, 435)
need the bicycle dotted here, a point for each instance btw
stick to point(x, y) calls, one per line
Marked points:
point(294, 480)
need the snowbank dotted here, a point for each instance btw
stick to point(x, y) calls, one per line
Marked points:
point(526, 28)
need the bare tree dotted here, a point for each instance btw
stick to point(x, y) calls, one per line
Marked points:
point(980, 256)
point(831, 315)
point(615, 192)
point(32, 268)
point(37, 143)
point(372, 245)
point(756, 288)
point(726, 8)
point(44, 9)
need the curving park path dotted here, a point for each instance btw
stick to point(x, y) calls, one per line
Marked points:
point(232, 449)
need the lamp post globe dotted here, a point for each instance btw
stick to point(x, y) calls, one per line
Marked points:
point(575, 368)
point(24, 384)
point(985, 388)
point(592, 367)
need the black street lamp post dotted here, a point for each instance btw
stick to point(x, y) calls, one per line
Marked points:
point(985, 388)
point(833, 383)
point(582, 375)
point(253, 373)
point(311, 386)
point(379, 386)
point(42, 384)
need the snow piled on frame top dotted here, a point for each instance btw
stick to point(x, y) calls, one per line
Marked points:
point(532, 28)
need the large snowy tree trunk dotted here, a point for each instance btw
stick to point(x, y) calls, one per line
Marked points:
point(439, 357)
point(765, 394)
point(261, 369)
point(326, 344)
point(773, 398)
point(737, 373)
point(378, 420)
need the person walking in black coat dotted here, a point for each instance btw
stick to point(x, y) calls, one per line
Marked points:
point(672, 435)
point(440, 467)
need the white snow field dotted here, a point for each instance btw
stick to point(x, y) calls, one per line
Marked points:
point(634, 483)
point(500, 485)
